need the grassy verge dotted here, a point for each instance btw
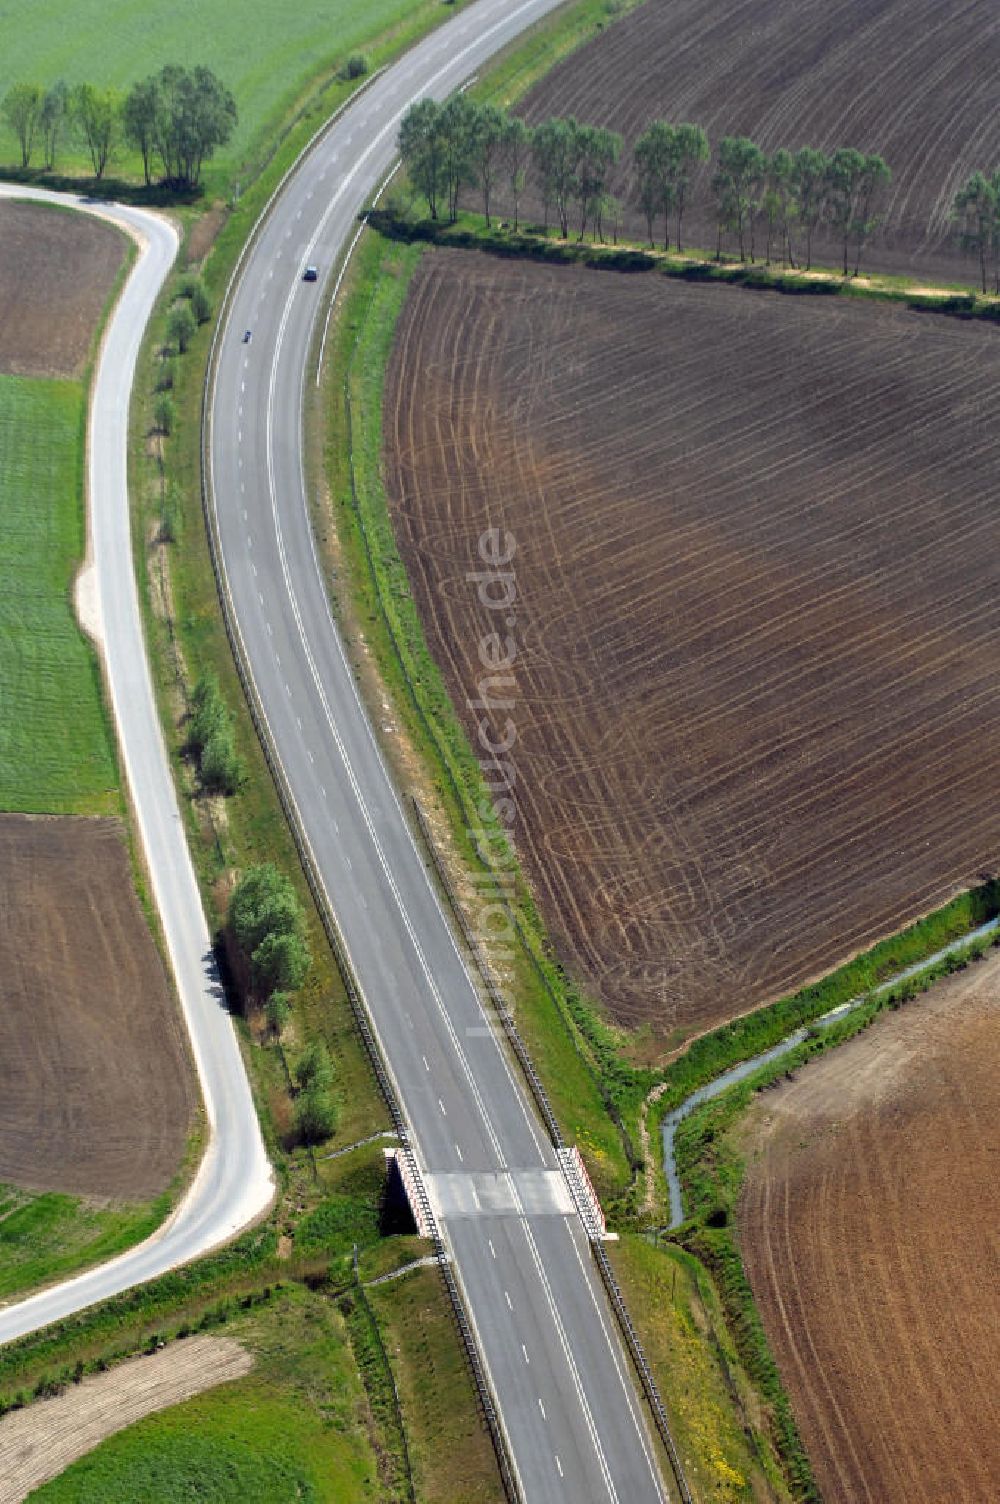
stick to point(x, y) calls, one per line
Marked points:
point(515, 70)
point(717, 1421)
point(57, 753)
point(450, 1452)
point(287, 1430)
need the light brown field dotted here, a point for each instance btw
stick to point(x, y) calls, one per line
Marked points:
point(756, 691)
point(97, 1093)
point(57, 270)
point(40, 1442)
point(870, 1226)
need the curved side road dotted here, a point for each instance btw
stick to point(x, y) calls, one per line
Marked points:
point(234, 1182)
point(570, 1411)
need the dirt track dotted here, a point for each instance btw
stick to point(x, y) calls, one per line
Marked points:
point(869, 1225)
point(96, 1089)
point(912, 79)
point(57, 270)
point(40, 1442)
point(757, 626)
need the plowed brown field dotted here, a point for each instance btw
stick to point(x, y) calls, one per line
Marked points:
point(912, 79)
point(40, 1442)
point(96, 1089)
point(869, 1224)
point(756, 694)
point(57, 270)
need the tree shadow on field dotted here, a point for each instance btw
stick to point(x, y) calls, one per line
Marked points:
point(104, 190)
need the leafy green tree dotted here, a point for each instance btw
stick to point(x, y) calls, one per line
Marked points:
point(690, 147)
point(516, 154)
point(810, 185)
point(598, 151)
point(314, 1067)
point(181, 326)
point(459, 118)
point(195, 115)
point(875, 178)
point(488, 128)
point(263, 903)
point(315, 1115)
point(201, 303)
point(779, 201)
point(53, 119)
point(280, 963)
point(422, 149)
point(164, 414)
point(611, 212)
point(843, 180)
point(220, 767)
point(98, 116)
point(654, 184)
point(140, 122)
point(737, 184)
point(976, 210)
point(853, 183)
point(556, 153)
point(208, 710)
point(278, 1012)
point(22, 108)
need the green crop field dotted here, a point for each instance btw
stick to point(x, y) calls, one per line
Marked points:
point(265, 53)
point(56, 750)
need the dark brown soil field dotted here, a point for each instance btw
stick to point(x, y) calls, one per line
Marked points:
point(57, 270)
point(914, 80)
point(869, 1224)
point(96, 1090)
point(756, 690)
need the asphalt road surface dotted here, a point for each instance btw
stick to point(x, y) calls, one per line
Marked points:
point(571, 1413)
point(234, 1182)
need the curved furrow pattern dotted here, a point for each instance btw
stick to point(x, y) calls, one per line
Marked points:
point(757, 609)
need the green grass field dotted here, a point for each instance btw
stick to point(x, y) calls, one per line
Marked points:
point(264, 53)
point(56, 750)
point(47, 1236)
point(288, 1430)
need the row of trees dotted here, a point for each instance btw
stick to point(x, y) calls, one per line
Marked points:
point(175, 120)
point(461, 144)
point(267, 925)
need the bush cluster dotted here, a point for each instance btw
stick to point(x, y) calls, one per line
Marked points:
point(267, 923)
point(211, 738)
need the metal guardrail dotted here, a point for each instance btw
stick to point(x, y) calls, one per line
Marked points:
point(592, 1228)
point(489, 981)
point(641, 1365)
point(328, 918)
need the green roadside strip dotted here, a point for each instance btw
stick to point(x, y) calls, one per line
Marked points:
point(471, 232)
point(574, 1052)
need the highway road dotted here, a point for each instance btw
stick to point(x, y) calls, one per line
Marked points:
point(234, 1182)
point(572, 1416)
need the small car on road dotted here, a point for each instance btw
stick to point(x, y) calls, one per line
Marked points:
point(310, 274)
